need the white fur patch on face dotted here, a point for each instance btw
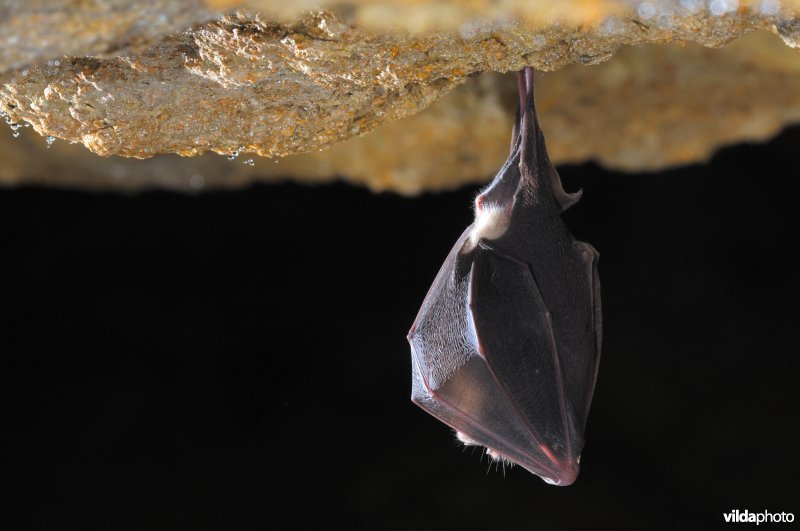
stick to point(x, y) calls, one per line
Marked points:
point(491, 222)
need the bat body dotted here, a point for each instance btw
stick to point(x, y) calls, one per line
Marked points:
point(506, 345)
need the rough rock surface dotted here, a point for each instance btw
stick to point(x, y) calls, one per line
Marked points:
point(249, 84)
point(680, 104)
point(33, 31)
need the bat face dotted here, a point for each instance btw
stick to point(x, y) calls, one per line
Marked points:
point(506, 345)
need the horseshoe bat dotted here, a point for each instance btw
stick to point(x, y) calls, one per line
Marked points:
point(506, 345)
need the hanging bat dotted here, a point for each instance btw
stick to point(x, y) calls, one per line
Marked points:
point(506, 346)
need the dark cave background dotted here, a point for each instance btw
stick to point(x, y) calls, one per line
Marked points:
point(237, 360)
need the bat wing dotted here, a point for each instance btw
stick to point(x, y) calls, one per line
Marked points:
point(582, 389)
point(450, 379)
point(517, 341)
point(486, 362)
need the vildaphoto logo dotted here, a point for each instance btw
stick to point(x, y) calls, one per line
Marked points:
point(764, 517)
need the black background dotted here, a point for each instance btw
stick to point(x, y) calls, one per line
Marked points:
point(237, 360)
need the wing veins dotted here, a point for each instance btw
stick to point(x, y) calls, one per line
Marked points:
point(553, 349)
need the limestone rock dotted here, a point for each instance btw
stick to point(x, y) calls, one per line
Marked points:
point(459, 138)
point(33, 31)
point(285, 88)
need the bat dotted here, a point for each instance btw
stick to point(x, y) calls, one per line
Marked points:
point(506, 346)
